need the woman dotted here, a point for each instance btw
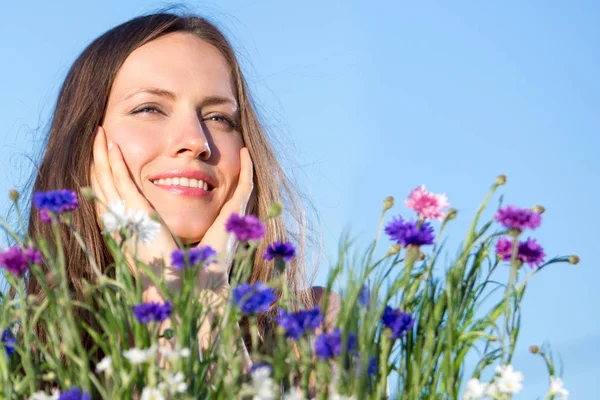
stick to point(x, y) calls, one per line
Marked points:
point(156, 112)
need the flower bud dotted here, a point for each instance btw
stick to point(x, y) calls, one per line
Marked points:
point(451, 214)
point(573, 259)
point(421, 256)
point(534, 349)
point(155, 216)
point(88, 193)
point(388, 203)
point(538, 209)
point(13, 194)
point(395, 249)
point(500, 180)
point(50, 376)
point(275, 210)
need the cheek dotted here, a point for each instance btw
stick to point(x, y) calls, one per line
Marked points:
point(136, 148)
point(229, 164)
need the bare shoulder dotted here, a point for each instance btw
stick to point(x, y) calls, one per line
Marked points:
point(333, 304)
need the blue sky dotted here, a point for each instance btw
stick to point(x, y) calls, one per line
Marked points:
point(366, 100)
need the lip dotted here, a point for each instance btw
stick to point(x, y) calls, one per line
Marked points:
point(189, 173)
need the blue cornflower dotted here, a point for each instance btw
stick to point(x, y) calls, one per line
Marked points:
point(296, 324)
point(364, 296)
point(261, 365)
point(253, 299)
point(398, 321)
point(74, 394)
point(9, 341)
point(329, 345)
point(285, 251)
point(247, 227)
point(55, 201)
point(409, 233)
point(373, 366)
point(197, 256)
point(148, 312)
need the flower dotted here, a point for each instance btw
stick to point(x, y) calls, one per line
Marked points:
point(294, 394)
point(136, 222)
point(174, 354)
point(410, 232)
point(247, 227)
point(528, 251)
point(475, 389)
point(509, 380)
point(285, 251)
point(138, 356)
point(364, 296)
point(174, 384)
point(55, 201)
point(16, 260)
point(9, 341)
point(150, 393)
point(201, 255)
point(428, 205)
point(43, 396)
point(253, 299)
point(296, 324)
point(147, 312)
point(398, 321)
point(74, 394)
point(263, 386)
point(513, 217)
point(105, 365)
point(329, 345)
point(557, 388)
point(373, 366)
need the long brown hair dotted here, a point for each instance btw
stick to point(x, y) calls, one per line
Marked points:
point(80, 109)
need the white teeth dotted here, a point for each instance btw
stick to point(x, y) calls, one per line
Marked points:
point(184, 182)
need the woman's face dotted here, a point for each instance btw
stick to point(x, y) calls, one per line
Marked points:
point(173, 112)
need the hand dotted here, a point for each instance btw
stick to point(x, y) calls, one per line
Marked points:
point(111, 182)
point(216, 276)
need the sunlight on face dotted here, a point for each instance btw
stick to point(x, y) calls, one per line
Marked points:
point(172, 101)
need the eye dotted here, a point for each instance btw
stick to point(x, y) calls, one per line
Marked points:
point(222, 120)
point(147, 109)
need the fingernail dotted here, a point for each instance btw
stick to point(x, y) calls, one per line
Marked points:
point(111, 144)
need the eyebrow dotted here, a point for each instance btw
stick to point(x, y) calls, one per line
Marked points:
point(207, 101)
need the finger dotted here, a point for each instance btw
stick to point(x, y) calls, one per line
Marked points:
point(102, 168)
point(124, 182)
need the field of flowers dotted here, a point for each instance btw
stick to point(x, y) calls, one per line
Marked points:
point(406, 324)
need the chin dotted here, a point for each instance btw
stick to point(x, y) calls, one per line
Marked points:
point(187, 232)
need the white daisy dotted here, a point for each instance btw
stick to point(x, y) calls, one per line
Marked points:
point(557, 388)
point(475, 389)
point(138, 356)
point(509, 381)
point(150, 393)
point(105, 365)
point(174, 384)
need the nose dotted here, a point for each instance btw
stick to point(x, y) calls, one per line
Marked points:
point(190, 138)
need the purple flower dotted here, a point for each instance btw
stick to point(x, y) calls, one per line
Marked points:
point(253, 299)
point(373, 366)
point(296, 324)
point(284, 251)
point(398, 321)
point(16, 261)
point(513, 217)
point(329, 345)
point(55, 201)
point(247, 227)
point(74, 394)
point(260, 365)
point(197, 256)
point(148, 312)
point(8, 340)
point(409, 233)
point(528, 251)
point(364, 296)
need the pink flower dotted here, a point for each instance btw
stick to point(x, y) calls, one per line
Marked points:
point(428, 205)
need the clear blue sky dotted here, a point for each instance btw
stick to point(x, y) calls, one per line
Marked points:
point(370, 99)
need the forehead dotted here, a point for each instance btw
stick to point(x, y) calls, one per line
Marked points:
point(178, 62)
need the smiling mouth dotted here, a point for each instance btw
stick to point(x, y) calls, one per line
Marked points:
point(184, 183)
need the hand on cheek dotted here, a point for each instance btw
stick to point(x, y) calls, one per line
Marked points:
point(216, 236)
point(112, 183)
